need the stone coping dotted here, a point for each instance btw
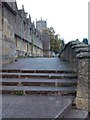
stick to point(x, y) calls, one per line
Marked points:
point(82, 50)
point(81, 45)
point(83, 55)
point(75, 44)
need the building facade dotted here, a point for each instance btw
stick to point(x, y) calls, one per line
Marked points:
point(41, 26)
point(89, 22)
point(18, 34)
point(0, 33)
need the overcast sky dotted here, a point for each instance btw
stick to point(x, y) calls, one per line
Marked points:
point(69, 18)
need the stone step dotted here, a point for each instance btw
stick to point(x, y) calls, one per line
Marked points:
point(39, 82)
point(35, 71)
point(74, 113)
point(35, 106)
point(38, 90)
point(62, 113)
point(38, 75)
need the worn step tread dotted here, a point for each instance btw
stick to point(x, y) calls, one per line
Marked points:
point(12, 69)
point(36, 71)
point(37, 74)
point(39, 80)
point(73, 113)
point(38, 88)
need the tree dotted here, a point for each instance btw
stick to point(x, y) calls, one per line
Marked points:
point(56, 44)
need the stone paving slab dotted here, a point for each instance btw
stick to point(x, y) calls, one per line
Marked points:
point(73, 113)
point(31, 106)
point(39, 64)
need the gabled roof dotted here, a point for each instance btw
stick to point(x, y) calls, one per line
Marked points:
point(12, 6)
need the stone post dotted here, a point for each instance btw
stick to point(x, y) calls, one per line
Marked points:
point(83, 85)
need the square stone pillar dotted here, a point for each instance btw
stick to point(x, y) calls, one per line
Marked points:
point(83, 85)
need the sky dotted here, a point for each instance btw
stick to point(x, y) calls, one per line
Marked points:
point(69, 18)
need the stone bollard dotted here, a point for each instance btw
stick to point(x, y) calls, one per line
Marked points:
point(83, 85)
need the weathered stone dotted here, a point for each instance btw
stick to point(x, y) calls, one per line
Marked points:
point(0, 16)
point(79, 45)
point(0, 33)
point(81, 64)
point(36, 106)
point(20, 37)
point(83, 86)
point(83, 69)
point(83, 80)
point(72, 43)
point(83, 92)
point(84, 55)
point(83, 49)
point(82, 103)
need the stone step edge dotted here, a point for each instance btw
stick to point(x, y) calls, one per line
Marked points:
point(38, 80)
point(14, 75)
point(39, 83)
point(52, 82)
point(64, 112)
point(27, 92)
point(36, 71)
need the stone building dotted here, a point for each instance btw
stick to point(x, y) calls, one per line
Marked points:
point(19, 35)
point(46, 44)
point(41, 26)
point(8, 28)
point(89, 22)
point(0, 32)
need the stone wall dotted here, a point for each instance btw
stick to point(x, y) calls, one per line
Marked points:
point(83, 87)
point(78, 54)
point(18, 35)
point(70, 52)
point(27, 40)
point(8, 41)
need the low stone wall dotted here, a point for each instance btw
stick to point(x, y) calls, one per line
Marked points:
point(78, 54)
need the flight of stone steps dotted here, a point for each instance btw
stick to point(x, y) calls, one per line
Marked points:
point(43, 82)
point(46, 82)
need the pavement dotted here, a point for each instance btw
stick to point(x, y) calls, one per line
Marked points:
point(39, 64)
point(34, 106)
